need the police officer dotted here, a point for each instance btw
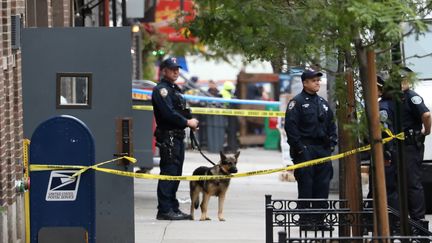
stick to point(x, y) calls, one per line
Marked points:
point(311, 132)
point(172, 117)
point(388, 119)
point(416, 123)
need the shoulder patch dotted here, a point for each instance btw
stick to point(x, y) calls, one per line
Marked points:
point(383, 115)
point(291, 104)
point(416, 100)
point(163, 92)
point(325, 107)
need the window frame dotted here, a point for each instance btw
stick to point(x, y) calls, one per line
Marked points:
point(61, 75)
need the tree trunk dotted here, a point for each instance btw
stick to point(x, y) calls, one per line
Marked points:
point(370, 91)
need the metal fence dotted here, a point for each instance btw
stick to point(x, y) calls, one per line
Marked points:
point(326, 220)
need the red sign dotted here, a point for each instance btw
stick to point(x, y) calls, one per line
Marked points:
point(166, 13)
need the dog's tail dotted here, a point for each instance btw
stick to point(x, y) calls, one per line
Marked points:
point(194, 194)
point(196, 205)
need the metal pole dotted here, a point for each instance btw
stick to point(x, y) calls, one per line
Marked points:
point(401, 166)
point(114, 12)
point(124, 18)
point(379, 188)
point(269, 224)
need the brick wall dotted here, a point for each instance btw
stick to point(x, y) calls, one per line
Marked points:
point(10, 106)
point(41, 13)
point(11, 128)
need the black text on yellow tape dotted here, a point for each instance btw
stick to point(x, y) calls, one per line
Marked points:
point(223, 112)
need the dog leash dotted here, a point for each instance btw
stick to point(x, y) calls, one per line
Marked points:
point(195, 144)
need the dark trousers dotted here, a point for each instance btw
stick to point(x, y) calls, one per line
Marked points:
point(416, 201)
point(391, 186)
point(171, 163)
point(313, 181)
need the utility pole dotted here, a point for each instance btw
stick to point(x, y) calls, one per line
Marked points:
point(381, 220)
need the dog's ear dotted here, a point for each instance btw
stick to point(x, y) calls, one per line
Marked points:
point(222, 156)
point(237, 154)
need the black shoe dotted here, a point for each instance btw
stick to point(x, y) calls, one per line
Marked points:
point(417, 230)
point(187, 216)
point(170, 215)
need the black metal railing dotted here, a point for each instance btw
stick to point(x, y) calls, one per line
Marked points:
point(363, 239)
point(313, 219)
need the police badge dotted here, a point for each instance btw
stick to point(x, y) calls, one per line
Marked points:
point(163, 92)
point(291, 104)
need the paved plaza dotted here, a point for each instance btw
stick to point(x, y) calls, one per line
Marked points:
point(244, 205)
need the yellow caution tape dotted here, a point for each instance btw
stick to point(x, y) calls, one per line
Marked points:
point(26, 145)
point(223, 112)
point(37, 167)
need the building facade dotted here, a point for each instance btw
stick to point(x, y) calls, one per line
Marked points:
point(14, 15)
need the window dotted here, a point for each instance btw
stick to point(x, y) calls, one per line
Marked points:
point(74, 90)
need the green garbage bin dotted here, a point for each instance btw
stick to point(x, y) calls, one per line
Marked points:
point(272, 140)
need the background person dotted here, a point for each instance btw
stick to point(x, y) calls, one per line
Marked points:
point(212, 89)
point(172, 117)
point(311, 132)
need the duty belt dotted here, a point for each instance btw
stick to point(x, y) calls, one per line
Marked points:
point(177, 133)
point(413, 137)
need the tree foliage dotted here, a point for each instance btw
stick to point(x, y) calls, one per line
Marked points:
point(303, 31)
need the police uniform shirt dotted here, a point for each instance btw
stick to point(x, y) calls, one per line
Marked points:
point(309, 117)
point(413, 109)
point(387, 118)
point(167, 101)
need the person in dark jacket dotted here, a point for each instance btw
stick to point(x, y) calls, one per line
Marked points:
point(311, 132)
point(388, 120)
point(172, 117)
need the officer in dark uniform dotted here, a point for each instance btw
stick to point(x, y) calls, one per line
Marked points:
point(172, 117)
point(388, 119)
point(311, 132)
point(416, 123)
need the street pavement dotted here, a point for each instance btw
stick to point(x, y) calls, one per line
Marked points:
point(244, 205)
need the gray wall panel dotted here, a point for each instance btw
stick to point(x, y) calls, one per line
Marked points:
point(104, 52)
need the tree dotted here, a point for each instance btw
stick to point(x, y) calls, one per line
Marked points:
point(311, 32)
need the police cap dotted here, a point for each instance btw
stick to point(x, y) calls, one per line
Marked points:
point(308, 74)
point(404, 71)
point(169, 63)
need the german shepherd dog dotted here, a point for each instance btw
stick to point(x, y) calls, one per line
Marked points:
point(218, 188)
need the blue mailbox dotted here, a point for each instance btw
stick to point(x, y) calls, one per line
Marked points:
point(62, 208)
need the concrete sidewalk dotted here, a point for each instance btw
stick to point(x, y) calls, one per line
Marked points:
point(244, 205)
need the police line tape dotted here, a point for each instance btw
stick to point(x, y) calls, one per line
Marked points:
point(223, 112)
point(137, 92)
point(82, 169)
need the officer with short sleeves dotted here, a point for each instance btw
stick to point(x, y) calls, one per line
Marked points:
point(172, 117)
point(311, 132)
point(416, 124)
